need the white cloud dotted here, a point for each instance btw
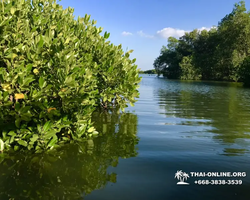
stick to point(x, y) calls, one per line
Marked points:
point(124, 33)
point(168, 32)
point(203, 28)
point(142, 34)
point(173, 32)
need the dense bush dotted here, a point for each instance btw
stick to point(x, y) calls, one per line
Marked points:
point(54, 71)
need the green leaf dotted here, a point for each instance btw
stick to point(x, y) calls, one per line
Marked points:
point(48, 87)
point(47, 126)
point(4, 133)
point(22, 142)
point(40, 43)
point(29, 67)
point(54, 5)
point(52, 141)
point(49, 134)
point(16, 148)
point(106, 35)
point(12, 10)
point(11, 55)
point(25, 109)
point(91, 129)
point(34, 138)
point(41, 82)
point(30, 146)
point(69, 80)
point(26, 117)
point(27, 81)
point(105, 99)
point(1, 145)
point(12, 133)
point(67, 41)
point(6, 96)
point(17, 106)
point(52, 27)
point(37, 94)
point(95, 133)
point(17, 122)
point(51, 34)
point(12, 139)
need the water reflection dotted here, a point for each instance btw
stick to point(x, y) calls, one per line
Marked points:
point(75, 170)
point(220, 109)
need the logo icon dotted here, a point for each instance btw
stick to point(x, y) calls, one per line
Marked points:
point(181, 176)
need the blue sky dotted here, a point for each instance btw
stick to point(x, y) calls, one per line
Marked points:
point(145, 25)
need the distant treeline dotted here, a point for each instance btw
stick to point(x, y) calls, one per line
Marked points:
point(222, 53)
point(151, 71)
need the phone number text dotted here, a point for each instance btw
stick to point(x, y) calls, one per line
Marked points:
point(218, 182)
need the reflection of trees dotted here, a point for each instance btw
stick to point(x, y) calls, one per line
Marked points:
point(120, 129)
point(221, 110)
point(72, 171)
point(234, 152)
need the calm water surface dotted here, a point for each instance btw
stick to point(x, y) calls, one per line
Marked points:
point(175, 125)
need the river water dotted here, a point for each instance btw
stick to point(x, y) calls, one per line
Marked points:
point(192, 126)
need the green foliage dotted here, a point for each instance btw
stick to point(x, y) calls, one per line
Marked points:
point(54, 72)
point(168, 61)
point(150, 71)
point(245, 71)
point(117, 76)
point(217, 54)
point(189, 72)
